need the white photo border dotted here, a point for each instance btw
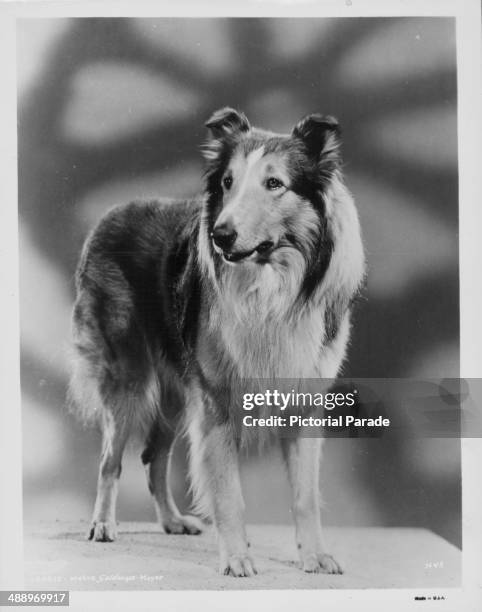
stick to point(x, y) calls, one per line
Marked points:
point(467, 14)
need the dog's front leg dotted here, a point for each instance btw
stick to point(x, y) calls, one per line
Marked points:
point(303, 457)
point(217, 491)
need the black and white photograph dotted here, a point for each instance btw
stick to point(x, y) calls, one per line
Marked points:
point(242, 279)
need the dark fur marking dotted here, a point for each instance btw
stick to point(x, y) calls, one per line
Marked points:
point(227, 121)
point(158, 439)
point(334, 313)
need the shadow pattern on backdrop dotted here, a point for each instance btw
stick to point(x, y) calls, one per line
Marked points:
point(389, 332)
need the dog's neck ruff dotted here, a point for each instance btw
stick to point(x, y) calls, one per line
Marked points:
point(266, 330)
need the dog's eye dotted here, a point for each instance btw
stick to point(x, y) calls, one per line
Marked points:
point(227, 182)
point(274, 183)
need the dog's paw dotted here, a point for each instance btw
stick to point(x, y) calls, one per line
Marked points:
point(101, 531)
point(321, 563)
point(329, 565)
point(184, 524)
point(239, 566)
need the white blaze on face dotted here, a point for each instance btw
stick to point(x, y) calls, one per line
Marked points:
point(252, 159)
point(243, 169)
point(243, 201)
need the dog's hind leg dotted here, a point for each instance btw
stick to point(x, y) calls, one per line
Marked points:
point(157, 458)
point(115, 431)
point(303, 457)
point(113, 380)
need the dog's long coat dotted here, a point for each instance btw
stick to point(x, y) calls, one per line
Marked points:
point(179, 302)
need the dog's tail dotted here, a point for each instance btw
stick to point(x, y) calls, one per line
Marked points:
point(102, 376)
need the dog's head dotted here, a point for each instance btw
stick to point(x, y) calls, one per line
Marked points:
point(267, 196)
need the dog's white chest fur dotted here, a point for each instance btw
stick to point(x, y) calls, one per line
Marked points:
point(266, 347)
point(262, 338)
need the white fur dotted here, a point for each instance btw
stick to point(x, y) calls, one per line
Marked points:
point(83, 392)
point(204, 247)
point(260, 331)
point(193, 427)
point(347, 265)
point(271, 346)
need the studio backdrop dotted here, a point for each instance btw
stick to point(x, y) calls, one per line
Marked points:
point(112, 110)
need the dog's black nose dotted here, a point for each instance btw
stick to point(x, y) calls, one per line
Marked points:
point(224, 236)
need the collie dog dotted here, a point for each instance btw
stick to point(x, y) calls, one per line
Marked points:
point(178, 302)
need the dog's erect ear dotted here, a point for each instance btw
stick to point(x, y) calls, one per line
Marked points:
point(227, 122)
point(320, 134)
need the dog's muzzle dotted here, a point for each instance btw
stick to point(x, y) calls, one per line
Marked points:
point(263, 249)
point(223, 242)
